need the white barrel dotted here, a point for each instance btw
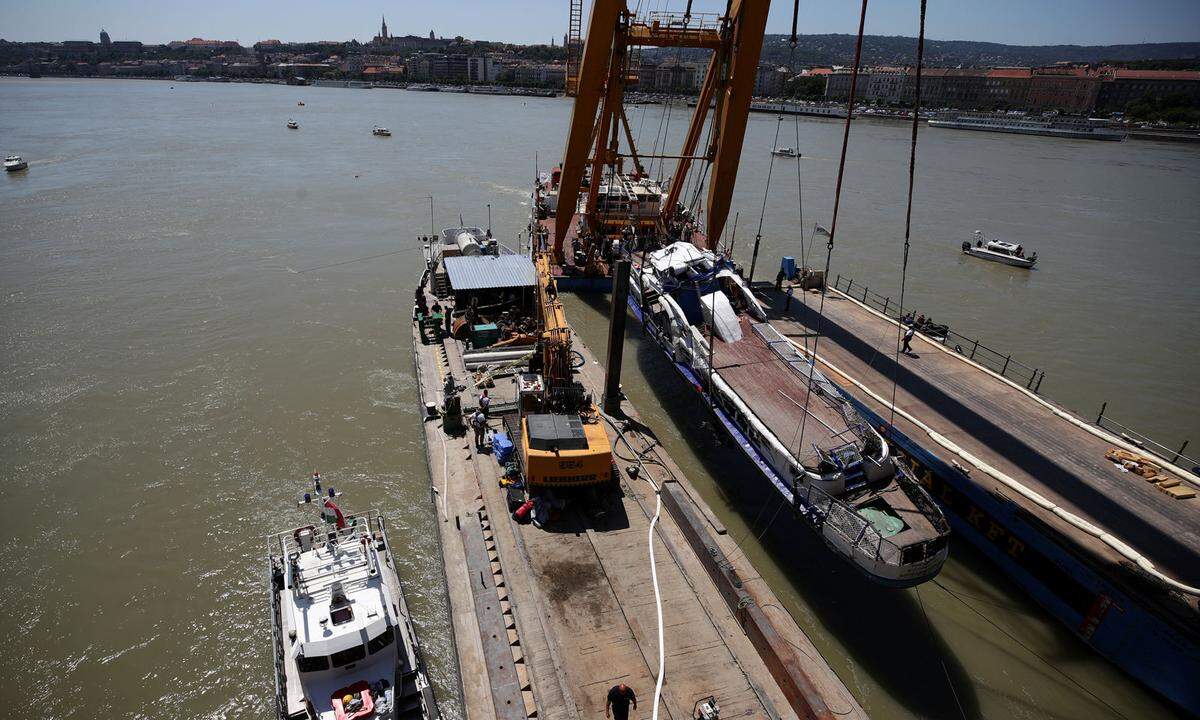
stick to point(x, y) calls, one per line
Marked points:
point(467, 244)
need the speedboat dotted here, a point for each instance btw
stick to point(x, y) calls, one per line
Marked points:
point(293, 125)
point(299, 103)
point(381, 131)
point(785, 152)
point(998, 251)
point(13, 163)
point(834, 468)
point(343, 638)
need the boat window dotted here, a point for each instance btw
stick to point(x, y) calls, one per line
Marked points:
point(347, 656)
point(380, 641)
point(312, 664)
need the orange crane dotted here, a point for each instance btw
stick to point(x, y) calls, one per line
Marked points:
point(598, 120)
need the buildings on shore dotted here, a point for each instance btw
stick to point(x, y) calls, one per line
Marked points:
point(1069, 88)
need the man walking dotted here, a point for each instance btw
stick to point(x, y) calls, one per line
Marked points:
point(619, 697)
point(906, 348)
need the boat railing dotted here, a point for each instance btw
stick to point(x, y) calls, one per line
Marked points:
point(970, 348)
point(855, 531)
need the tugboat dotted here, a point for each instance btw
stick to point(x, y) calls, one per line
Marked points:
point(998, 251)
point(820, 455)
point(293, 125)
point(343, 638)
point(381, 131)
point(13, 163)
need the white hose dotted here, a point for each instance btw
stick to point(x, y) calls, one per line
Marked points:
point(662, 655)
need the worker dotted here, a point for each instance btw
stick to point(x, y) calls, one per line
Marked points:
point(479, 425)
point(484, 402)
point(449, 320)
point(906, 347)
point(779, 280)
point(787, 305)
point(619, 697)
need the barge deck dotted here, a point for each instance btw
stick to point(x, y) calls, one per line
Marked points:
point(964, 428)
point(546, 620)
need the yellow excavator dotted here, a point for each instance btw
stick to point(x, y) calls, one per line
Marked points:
point(563, 442)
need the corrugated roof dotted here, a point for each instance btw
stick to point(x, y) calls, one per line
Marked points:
point(486, 272)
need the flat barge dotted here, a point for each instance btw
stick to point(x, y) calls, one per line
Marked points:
point(545, 621)
point(1113, 555)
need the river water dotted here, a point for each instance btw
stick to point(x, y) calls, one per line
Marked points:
point(185, 339)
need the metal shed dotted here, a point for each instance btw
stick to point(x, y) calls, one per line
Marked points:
point(490, 272)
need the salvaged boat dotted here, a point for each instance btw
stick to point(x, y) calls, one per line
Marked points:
point(831, 466)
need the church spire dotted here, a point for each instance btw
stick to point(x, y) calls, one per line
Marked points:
point(383, 28)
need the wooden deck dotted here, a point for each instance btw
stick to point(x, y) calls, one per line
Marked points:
point(777, 394)
point(1004, 426)
point(575, 600)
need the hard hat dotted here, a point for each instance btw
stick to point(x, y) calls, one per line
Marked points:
point(347, 700)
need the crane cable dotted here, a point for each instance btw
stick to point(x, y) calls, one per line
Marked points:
point(912, 163)
point(837, 201)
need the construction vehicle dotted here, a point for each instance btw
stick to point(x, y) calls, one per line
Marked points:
point(563, 443)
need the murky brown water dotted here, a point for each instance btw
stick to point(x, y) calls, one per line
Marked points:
point(170, 376)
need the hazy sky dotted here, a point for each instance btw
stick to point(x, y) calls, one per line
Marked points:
point(1024, 22)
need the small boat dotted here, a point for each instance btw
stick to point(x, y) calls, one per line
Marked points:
point(785, 152)
point(293, 125)
point(998, 251)
point(299, 103)
point(13, 163)
point(381, 131)
point(343, 639)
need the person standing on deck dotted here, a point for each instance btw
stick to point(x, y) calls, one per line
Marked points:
point(484, 403)
point(779, 281)
point(619, 697)
point(479, 425)
point(906, 347)
point(787, 304)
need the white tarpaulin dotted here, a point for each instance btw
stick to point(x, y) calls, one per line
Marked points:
point(719, 314)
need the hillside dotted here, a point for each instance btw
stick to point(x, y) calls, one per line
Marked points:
point(899, 50)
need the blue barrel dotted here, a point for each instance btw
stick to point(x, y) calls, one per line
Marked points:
point(788, 266)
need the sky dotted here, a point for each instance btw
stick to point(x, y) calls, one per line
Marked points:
point(1018, 22)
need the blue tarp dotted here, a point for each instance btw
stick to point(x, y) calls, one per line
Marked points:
point(502, 447)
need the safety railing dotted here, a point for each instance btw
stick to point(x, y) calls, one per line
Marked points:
point(1175, 457)
point(971, 348)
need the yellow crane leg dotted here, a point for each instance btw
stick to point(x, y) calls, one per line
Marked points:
point(593, 71)
point(750, 21)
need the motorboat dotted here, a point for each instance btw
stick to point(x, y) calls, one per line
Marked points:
point(299, 103)
point(835, 469)
point(998, 251)
point(343, 638)
point(13, 163)
point(786, 152)
point(381, 131)
point(293, 125)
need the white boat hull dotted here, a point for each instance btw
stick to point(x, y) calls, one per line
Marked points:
point(999, 257)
